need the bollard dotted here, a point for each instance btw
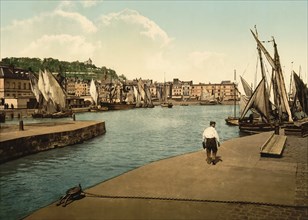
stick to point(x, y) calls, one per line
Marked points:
point(19, 115)
point(74, 117)
point(276, 129)
point(12, 115)
point(21, 125)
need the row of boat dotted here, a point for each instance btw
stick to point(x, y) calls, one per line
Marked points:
point(268, 105)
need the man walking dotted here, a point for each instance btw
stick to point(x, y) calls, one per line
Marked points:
point(211, 142)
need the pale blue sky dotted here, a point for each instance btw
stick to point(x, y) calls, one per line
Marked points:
point(199, 40)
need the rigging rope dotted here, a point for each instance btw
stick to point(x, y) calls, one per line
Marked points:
point(195, 200)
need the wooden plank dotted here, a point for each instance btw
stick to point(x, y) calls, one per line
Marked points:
point(274, 146)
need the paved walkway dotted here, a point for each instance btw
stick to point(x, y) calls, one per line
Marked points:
point(242, 186)
point(8, 132)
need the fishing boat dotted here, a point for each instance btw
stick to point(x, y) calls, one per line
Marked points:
point(95, 98)
point(143, 95)
point(234, 120)
point(299, 109)
point(207, 99)
point(114, 97)
point(164, 98)
point(271, 114)
point(50, 96)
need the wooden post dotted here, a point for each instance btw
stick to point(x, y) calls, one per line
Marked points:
point(21, 125)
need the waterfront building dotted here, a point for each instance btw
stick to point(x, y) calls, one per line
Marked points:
point(223, 91)
point(176, 90)
point(15, 88)
point(70, 86)
point(196, 91)
point(82, 88)
point(186, 89)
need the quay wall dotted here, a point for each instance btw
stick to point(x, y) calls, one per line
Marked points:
point(26, 145)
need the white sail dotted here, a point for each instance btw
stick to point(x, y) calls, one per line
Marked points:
point(137, 97)
point(141, 89)
point(34, 87)
point(42, 87)
point(56, 93)
point(51, 90)
point(94, 92)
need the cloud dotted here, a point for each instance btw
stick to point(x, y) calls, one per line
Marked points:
point(89, 3)
point(64, 47)
point(85, 23)
point(147, 27)
point(205, 58)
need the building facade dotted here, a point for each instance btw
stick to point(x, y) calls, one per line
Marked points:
point(15, 88)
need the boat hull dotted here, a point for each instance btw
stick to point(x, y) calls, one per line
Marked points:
point(254, 128)
point(232, 121)
point(117, 106)
point(166, 105)
point(52, 115)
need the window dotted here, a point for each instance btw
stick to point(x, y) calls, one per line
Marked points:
point(25, 86)
point(19, 85)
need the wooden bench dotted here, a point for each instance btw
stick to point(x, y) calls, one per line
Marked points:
point(274, 146)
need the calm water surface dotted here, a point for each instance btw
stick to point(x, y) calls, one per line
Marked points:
point(133, 138)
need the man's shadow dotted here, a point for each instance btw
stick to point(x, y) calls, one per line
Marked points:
point(217, 160)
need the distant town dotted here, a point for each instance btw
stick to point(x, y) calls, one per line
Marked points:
point(16, 92)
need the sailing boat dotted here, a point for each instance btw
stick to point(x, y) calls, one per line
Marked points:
point(269, 116)
point(115, 91)
point(95, 97)
point(234, 120)
point(50, 96)
point(143, 95)
point(207, 99)
point(165, 103)
point(299, 109)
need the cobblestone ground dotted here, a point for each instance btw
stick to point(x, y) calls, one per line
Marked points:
point(296, 151)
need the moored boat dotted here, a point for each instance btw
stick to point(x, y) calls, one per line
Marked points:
point(117, 106)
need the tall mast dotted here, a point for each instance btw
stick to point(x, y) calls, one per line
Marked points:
point(260, 57)
point(234, 93)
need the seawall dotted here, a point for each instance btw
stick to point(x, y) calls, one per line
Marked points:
point(45, 136)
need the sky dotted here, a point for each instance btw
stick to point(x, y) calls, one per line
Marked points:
point(203, 41)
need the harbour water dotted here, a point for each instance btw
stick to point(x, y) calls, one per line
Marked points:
point(133, 138)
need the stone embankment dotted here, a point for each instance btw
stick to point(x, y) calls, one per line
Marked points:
point(15, 143)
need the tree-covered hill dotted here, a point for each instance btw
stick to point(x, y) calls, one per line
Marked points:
point(69, 69)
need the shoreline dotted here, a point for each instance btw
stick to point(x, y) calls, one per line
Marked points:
point(22, 113)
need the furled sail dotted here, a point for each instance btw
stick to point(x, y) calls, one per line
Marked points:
point(148, 95)
point(141, 89)
point(259, 101)
point(94, 92)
